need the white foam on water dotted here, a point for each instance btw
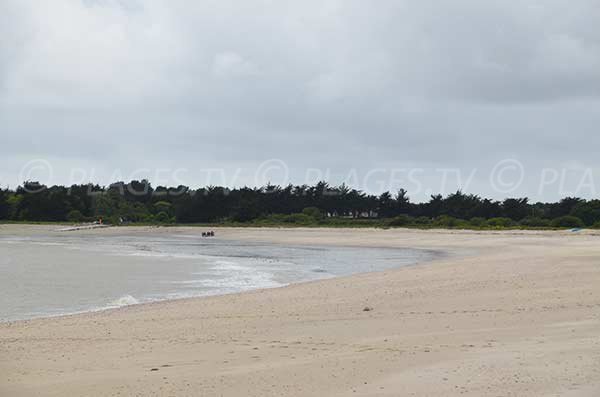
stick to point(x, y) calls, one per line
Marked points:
point(48, 244)
point(125, 300)
point(201, 271)
point(155, 254)
point(14, 240)
point(232, 277)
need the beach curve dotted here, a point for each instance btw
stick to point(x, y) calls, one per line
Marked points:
point(505, 313)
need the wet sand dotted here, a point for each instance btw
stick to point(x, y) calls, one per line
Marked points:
point(501, 314)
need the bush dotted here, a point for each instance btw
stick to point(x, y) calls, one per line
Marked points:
point(532, 221)
point(113, 220)
point(273, 218)
point(164, 206)
point(448, 221)
point(596, 225)
point(500, 222)
point(477, 222)
point(567, 222)
point(162, 217)
point(400, 220)
point(313, 212)
point(301, 219)
point(75, 216)
point(422, 221)
point(463, 224)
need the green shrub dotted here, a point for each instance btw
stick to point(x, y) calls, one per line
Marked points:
point(113, 220)
point(567, 221)
point(164, 206)
point(301, 219)
point(272, 218)
point(500, 222)
point(532, 221)
point(400, 220)
point(313, 212)
point(422, 221)
point(162, 217)
point(447, 221)
point(463, 224)
point(477, 222)
point(75, 216)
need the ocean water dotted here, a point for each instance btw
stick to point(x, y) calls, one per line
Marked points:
point(64, 273)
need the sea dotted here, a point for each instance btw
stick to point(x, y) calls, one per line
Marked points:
point(55, 274)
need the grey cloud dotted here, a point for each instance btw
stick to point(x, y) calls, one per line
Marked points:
point(331, 84)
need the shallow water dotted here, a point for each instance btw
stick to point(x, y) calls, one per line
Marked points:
point(62, 273)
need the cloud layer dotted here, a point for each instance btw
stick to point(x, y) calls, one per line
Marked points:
point(334, 85)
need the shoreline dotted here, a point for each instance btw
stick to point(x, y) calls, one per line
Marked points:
point(286, 226)
point(216, 295)
point(503, 314)
point(431, 256)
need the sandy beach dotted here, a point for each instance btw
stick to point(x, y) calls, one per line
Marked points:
point(498, 314)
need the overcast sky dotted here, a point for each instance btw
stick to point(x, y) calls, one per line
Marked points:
point(500, 98)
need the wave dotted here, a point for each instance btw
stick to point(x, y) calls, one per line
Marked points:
point(125, 300)
point(155, 254)
point(228, 276)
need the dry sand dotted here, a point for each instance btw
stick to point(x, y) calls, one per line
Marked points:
point(502, 314)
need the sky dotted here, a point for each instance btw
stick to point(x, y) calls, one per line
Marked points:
point(497, 98)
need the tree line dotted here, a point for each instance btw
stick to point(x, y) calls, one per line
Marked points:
point(140, 202)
